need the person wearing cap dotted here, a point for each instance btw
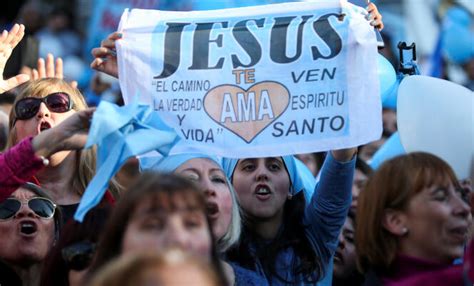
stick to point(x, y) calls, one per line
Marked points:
point(292, 224)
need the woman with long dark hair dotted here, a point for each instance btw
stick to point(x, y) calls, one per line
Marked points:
point(290, 235)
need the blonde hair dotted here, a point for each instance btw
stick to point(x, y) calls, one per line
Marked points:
point(85, 162)
point(232, 235)
point(147, 269)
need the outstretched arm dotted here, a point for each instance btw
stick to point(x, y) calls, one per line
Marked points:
point(71, 134)
point(21, 162)
point(327, 210)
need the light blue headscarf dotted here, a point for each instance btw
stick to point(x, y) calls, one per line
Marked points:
point(172, 162)
point(301, 177)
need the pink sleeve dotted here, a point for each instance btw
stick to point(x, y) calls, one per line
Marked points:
point(17, 166)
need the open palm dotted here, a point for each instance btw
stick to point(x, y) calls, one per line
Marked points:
point(8, 41)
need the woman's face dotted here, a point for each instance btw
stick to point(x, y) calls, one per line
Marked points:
point(437, 219)
point(151, 228)
point(262, 185)
point(43, 119)
point(26, 237)
point(212, 181)
point(345, 256)
point(358, 184)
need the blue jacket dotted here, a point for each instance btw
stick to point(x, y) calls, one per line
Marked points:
point(324, 217)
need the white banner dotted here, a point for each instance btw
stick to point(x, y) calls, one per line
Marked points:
point(256, 81)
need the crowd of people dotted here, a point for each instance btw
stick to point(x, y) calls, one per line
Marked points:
point(326, 218)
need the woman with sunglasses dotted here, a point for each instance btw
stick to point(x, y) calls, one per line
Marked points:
point(29, 224)
point(21, 162)
point(40, 106)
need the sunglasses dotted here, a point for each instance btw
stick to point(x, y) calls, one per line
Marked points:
point(78, 256)
point(58, 102)
point(42, 207)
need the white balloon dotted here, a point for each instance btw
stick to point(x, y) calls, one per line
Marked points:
point(436, 116)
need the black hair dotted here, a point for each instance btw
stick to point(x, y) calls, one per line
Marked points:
point(363, 167)
point(292, 235)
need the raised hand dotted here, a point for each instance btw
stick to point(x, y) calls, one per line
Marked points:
point(344, 155)
point(374, 16)
point(105, 57)
point(50, 68)
point(8, 41)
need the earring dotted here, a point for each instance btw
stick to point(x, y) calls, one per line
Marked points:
point(289, 197)
point(404, 231)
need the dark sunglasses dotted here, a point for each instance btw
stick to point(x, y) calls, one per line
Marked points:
point(58, 102)
point(78, 256)
point(42, 207)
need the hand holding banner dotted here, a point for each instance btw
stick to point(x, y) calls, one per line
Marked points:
point(256, 81)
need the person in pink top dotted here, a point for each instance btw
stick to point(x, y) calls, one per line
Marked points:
point(413, 221)
point(20, 163)
point(40, 149)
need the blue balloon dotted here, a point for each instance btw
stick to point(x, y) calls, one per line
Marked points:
point(388, 81)
point(389, 98)
point(457, 38)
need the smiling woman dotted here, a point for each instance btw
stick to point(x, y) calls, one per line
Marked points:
point(413, 218)
point(29, 223)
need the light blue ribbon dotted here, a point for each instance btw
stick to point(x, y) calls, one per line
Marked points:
point(120, 133)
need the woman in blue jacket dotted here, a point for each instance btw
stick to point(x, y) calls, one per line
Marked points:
point(291, 233)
